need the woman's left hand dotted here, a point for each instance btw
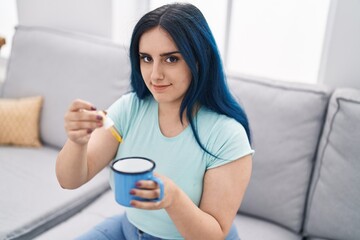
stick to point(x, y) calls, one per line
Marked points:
point(149, 189)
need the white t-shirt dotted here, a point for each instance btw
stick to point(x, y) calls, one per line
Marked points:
point(180, 158)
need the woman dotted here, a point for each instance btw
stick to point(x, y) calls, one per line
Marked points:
point(181, 115)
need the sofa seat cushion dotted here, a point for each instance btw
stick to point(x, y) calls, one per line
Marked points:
point(334, 201)
point(104, 207)
point(250, 228)
point(31, 199)
point(286, 120)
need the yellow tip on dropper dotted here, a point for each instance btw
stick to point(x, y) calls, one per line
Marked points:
point(115, 133)
point(109, 124)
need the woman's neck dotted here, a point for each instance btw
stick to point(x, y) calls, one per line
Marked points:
point(171, 111)
point(169, 120)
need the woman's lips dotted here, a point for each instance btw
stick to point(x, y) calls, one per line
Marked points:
point(160, 88)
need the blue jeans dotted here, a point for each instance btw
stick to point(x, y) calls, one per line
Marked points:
point(119, 228)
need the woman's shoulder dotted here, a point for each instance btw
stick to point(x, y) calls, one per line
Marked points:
point(212, 122)
point(129, 97)
point(127, 109)
point(131, 100)
point(211, 117)
point(223, 136)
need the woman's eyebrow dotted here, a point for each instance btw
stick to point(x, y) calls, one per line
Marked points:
point(162, 55)
point(168, 53)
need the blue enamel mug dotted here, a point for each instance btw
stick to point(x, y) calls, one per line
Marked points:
point(127, 172)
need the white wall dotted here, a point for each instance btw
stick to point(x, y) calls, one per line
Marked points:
point(341, 57)
point(8, 20)
point(330, 57)
point(125, 16)
point(113, 19)
point(93, 17)
point(277, 39)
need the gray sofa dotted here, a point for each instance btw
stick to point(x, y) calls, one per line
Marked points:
point(306, 169)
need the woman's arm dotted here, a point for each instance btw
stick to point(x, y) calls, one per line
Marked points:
point(89, 147)
point(224, 188)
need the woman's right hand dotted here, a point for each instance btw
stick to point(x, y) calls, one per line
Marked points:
point(81, 119)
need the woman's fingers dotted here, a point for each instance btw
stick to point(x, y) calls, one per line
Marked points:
point(149, 190)
point(146, 194)
point(81, 120)
point(78, 118)
point(146, 189)
point(78, 104)
point(146, 205)
point(146, 184)
point(83, 115)
point(152, 194)
point(78, 125)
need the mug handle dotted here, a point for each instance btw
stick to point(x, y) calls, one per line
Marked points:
point(161, 186)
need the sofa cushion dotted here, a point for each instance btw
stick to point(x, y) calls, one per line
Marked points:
point(334, 202)
point(62, 66)
point(31, 199)
point(286, 120)
point(251, 228)
point(19, 123)
point(104, 207)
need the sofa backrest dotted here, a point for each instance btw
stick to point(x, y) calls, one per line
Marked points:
point(62, 66)
point(286, 120)
point(333, 210)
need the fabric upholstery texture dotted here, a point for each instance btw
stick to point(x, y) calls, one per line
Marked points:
point(83, 67)
point(19, 123)
point(60, 66)
point(334, 198)
point(250, 227)
point(104, 207)
point(286, 120)
point(31, 199)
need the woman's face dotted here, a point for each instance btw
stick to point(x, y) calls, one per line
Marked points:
point(163, 68)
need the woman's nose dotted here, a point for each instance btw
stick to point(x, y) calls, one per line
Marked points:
point(157, 72)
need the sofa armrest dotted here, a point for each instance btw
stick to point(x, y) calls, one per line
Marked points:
point(336, 172)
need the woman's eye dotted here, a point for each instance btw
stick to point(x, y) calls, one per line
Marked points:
point(172, 59)
point(146, 58)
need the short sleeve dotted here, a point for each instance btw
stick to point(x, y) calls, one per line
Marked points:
point(229, 142)
point(120, 112)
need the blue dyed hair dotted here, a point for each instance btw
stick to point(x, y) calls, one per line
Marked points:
point(189, 30)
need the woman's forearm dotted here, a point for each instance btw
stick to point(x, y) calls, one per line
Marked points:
point(191, 221)
point(71, 165)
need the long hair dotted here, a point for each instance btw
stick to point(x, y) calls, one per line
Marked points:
point(189, 30)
